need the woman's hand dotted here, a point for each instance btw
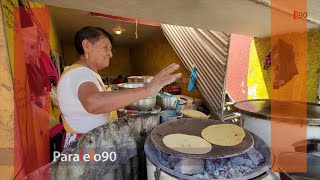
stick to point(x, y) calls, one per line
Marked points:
point(162, 79)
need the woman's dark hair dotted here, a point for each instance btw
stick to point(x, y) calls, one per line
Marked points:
point(92, 34)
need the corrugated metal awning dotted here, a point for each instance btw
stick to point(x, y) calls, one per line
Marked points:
point(208, 51)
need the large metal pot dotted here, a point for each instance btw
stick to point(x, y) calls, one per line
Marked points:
point(145, 104)
point(139, 79)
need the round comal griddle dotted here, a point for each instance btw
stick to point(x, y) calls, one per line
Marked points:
point(191, 126)
point(289, 110)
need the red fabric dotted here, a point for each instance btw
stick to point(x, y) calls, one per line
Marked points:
point(36, 79)
point(48, 69)
point(63, 140)
point(56, 130)
point(25, 18)
point(45, 68)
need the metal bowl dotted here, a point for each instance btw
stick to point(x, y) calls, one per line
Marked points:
point(145, 104)
point(123, 86)
point(169, 102)
point(139, 79)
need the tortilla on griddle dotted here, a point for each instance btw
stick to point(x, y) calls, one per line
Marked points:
point(223, 134)
point(193, 113)
point(187, 143)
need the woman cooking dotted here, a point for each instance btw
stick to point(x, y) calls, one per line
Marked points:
point(84, 102)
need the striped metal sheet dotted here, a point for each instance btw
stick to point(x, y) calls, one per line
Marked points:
point(206, 50)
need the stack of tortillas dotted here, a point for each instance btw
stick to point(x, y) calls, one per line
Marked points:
point(187, 144)
point(223, 134)
point(193, 113)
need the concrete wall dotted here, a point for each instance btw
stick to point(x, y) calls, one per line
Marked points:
point(6, 93)
point(259, 79)
point(70, 54)
point(151, 57)
point(236, 83)
point(119, 64)
point(8, 16)
point(9, 130)
point(55, 41)
point(313, 72)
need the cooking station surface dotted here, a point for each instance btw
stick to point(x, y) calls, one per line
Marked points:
point(194, 127)
point(211, 168)
point(261, 108)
